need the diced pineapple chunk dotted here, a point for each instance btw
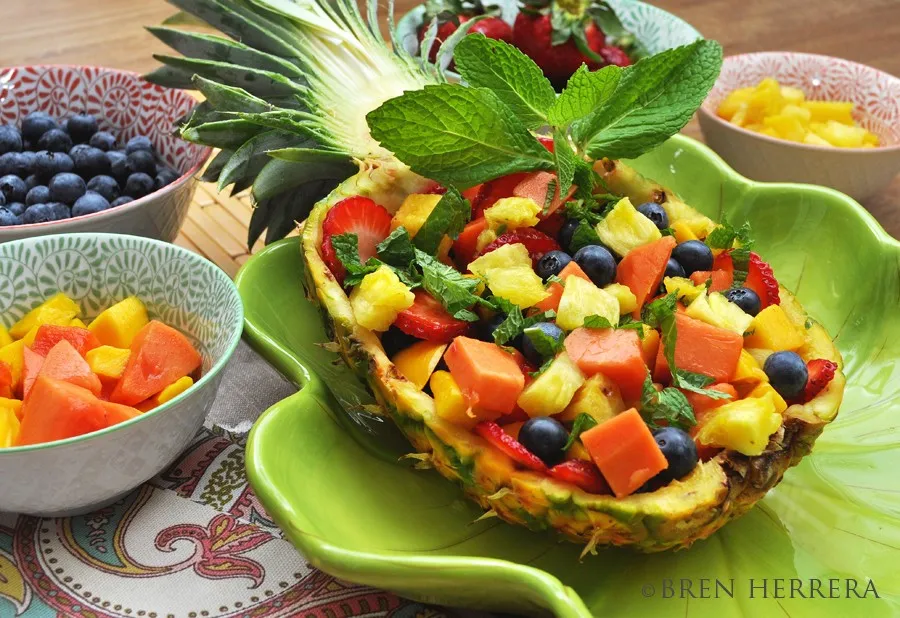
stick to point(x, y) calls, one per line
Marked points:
point(418, 361)
point(581, 299)
point(485, 238)
point(800, 113)
point(512, 213)
point(792, 95)
point(598, 397)
point(823, 111)
point(743, 425)
point(414, 211)
point(552, 391)
point(841, 135)
point(771, 329)
point(683, 288)
point(506, 256)
point(733, 102)
point(787, 127)
point(763, 390)
point(814, 140)
point(759, 354)
point(118, 325)
point(450, 403)
point(52, 308)
point(715, 309)
point(76, 322)
point(624, 228)
point(627, 299)
point(519, 285)
point(5, 337)
point(748, 370)
point(378, 299)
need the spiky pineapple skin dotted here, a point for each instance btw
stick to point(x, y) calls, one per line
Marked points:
point(674, 517)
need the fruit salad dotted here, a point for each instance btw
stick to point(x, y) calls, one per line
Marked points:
point(61, 378)
point(785, 112)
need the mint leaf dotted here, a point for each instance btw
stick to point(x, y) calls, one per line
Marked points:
point(457, 135)
point(584, 235)
point(582, 423)
point(509, 74)
point(597, 321)
point(654, 99)
point(542, 368)
point(627, 322)
point(585, 92)
point(515, 322)
point(722, 237)
point(567, 161)
point(447, 285)
point(546, 345)
point(346, 248)
point(448, 217)
point(397, 249)
point(668, 405)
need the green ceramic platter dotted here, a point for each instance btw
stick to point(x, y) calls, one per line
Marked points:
point(330, 473)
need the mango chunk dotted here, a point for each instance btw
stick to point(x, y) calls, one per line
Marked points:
point(173, 390)
point(5, 337)
point(14, 356)
point(117, 325)
point(48, 312)
point(9, 427)
point(771, 329)
point(15, 404)
point(107, 361)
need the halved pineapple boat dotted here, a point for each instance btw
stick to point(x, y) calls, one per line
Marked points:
point(746, 444)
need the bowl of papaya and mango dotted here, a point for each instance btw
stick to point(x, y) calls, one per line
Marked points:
point(111, 352)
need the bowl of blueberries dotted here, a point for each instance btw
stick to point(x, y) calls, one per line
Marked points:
point(90, 149)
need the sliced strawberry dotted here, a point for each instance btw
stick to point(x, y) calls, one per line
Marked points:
point(427, 319)
point(821, 372)
point(464, 247)
point(582, 474)
point(534, 240)
point(552, 223)
point(493, 433)
point(615, 55)
point(760, 277)
point(546, 141)
point(494, 190)
point(355, 215)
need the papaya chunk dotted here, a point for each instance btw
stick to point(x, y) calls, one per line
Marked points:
point(642, 269)
point(48, 335)
point(117, 413)
point(617, 354)
point(721, 279)
point(160, 355)
point(6, 380)
point(56, 410)
point(31, 367)
point(702, 403)
point(489, 377)
point(556, 289)
point(63, 362)
point(702, 348)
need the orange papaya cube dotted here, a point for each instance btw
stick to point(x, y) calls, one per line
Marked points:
point(117, 413)
point(625, 451)
point(721, 279)
point(48, 335)
point(489, 377)
point(160, 355)
point(6, 380)
point(63, 362)
point(556, 289)
point(31, 367)
point(642, 269)
point(702, 403)
point(465, 247)
point(56, 410)
point(536, 185)
point(617, 354)
point(702, 348)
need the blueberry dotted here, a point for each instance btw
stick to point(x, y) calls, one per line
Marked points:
point(10, 139)
point(166, 176)
point(393, 339)
point(104, 140)
point(680, 451)
point(8, 217)
point(120, 200)
point(552, 263)
point(35, 124)
point(105, 186)
point(16, 163)
point(655, 213)
point(118, 166)
point(139, 185)
point(545, 437)
point(746, 299)
point(55, 140)
point(27, 160)
point(567, 231)
point(597, 263)
point(138, 142)
point(66, 187)
point(37, 195)
point(31, 182)
point(13, 188)
point(487, 327)
point(81, 127)
point(89, 161)
point(89, 203)
point(16, 208)
point(41, 213)
point(693, 255)
point(787, 373)
point(2, 199)
point(142, 161)
point(49, 164)
point(532, 354)
point(674, 269)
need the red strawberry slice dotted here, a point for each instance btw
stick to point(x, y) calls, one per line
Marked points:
point(546, 141)
point(494, 190)
point(534, 240)
point(427, 319)
point(355, 215)
point(582, 474)
point(821, 372)
point(615, 55)
point(493, 433)
point(760, 277)
point(552, 223)
point(493, 28)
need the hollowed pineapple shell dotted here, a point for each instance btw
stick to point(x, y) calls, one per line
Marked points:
point(673, 517)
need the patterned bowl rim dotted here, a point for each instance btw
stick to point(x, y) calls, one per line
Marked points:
point(133, 204)
point(219, 364)
point(712, 116)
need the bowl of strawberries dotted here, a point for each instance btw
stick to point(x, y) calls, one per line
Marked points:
point(559, 35)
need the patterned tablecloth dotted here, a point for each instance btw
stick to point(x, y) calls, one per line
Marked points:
point(193, 542)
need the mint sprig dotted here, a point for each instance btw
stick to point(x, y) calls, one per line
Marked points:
point(448, 217)
point(585, 92)
point(582, 423)
point(346, 248)
point(668, 405)
point(546, 345)
point(454, 291)
point(515, 322)
point(397, 249)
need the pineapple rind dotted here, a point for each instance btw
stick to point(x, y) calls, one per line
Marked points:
point(673, 517)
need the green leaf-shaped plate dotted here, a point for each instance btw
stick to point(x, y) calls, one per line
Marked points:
point(329, 473)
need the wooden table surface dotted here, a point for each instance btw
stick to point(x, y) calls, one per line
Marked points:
point(110, 33)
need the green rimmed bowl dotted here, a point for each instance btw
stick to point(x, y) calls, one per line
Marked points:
point(178, 287)
point(330, 473)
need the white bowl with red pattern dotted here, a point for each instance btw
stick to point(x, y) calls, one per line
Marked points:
point(858, 172)
point(124, 103)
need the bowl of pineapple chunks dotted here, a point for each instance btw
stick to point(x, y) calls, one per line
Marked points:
point(792, 117)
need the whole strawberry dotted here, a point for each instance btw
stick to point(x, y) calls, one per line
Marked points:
point(451, 14)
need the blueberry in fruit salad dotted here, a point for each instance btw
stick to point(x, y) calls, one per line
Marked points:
point(105, 186)
point(42, 213)
point(10, 139)
point(787, 372)
point(655, 213)
point(89, 203)
point(81, 127)
point(104, 140)
point(118, 165)
point(552, 264)
point(680, 452)
point(567, 231)
point(13, 188)
point(16, 208)
point(37, 195)
point(674, 269)
point(66, 188)
point(746, 299)
point(35, 124)
point(139, 184)
point(545, 437)
point(693, 255)
point(165, 176)
point(55, 140)
point(48, 164)
point(541, 341)
point(142, 161)
point(139, 142)
point(8, 217)
point(597, 263)
point(89, 161)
